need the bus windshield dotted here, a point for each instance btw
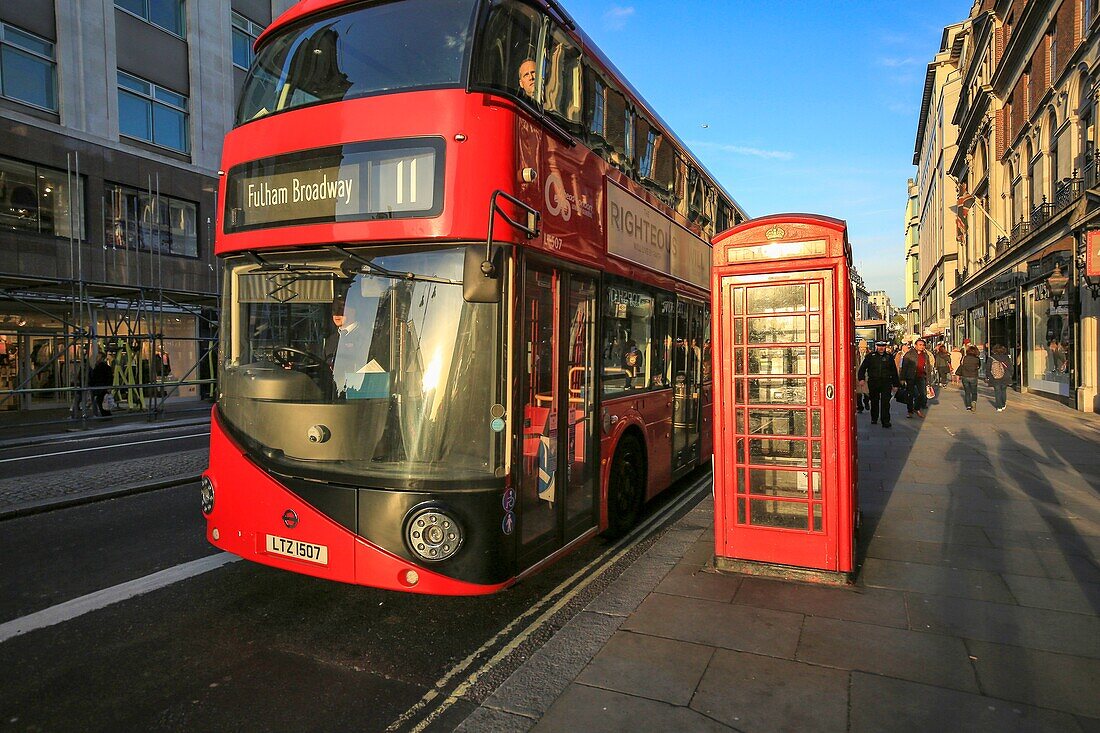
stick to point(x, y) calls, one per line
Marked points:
point(382, 47)
point(369, 368)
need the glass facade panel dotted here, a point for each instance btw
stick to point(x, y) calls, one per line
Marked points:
point(28, 71)
point(781, 514)
point(777, 361)
point(775, 452)
point(777, 422)
point(768, 482)
point(139, 220)
point(151, 113)
point(1050, 348)
point(40, 199)
point(777, 330)
point(776, 299)
point(777, 391)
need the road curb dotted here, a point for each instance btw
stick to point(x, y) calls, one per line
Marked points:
point(90, 497)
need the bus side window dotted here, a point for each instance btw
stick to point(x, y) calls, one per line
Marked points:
point(563, 91)
point(628, 344)
point(510, 38)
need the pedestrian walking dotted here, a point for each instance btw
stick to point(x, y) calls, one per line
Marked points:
point(943, 365)
point(916, 367)
point(968, 372)
point(1000, 375)
point(906, 347)
point(879, 376)
point(99, 379)
point(863, 396)
point(956, 359)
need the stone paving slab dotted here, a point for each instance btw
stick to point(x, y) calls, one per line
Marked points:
point(977, 606)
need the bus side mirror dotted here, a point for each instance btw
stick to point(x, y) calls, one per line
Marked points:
point(476, 286)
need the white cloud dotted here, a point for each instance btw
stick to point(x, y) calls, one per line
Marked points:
point(894, 63)
point(617, 16)
point(744, 150)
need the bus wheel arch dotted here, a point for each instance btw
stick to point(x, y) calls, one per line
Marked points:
point(626, 483)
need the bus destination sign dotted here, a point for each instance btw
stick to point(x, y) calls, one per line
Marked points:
point(345, 183)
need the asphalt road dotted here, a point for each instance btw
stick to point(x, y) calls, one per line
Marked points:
point(241, 647)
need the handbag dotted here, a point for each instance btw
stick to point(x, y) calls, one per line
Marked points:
point(902, 395)
point(109, 403)
point(930, 392)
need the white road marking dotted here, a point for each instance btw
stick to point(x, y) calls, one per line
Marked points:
point(102, 598)
point(102, 447)
point(618, 550)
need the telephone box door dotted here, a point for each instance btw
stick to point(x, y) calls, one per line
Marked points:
point(780, 437)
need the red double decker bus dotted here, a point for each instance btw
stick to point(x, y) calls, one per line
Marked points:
point(465, 321)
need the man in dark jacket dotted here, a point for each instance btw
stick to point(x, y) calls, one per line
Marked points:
point(881, 376)
point(916, 367)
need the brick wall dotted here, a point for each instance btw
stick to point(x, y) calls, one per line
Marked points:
point(1068, 33)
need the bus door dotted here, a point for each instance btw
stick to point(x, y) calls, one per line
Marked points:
point(687, 381)
point(784, 444)
point(559, 462)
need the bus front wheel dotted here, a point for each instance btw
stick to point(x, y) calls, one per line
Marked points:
point(626, 487)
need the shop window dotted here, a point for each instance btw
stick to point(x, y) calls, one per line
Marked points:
point(152, 113)
point(563, 86)
point(40, 199)
point(245, 33)
point(628, 341)
point(141, 220)
point(166, 14)
point(28, 70)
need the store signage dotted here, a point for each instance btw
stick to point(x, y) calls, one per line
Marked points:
point(641, 234)
point(343, 183)
point(1092, 254)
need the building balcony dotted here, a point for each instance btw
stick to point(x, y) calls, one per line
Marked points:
point(1066, 193)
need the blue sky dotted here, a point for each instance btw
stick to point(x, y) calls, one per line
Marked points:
point(808, 105)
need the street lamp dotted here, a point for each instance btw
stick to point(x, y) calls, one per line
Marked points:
point(1057, 283)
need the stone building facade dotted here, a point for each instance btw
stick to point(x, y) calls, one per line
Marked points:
point(112, 116)
point(1027, 192)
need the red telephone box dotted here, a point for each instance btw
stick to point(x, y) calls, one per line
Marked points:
point(784, 449)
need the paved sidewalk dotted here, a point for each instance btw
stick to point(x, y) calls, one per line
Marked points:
point(977, 606)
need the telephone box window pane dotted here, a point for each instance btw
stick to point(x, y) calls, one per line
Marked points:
point(740, 511)
point(816, 479)
point(815, 360)
point(741, 450)
point(740, 392)
point(816, 423)
point(767, 482)
point(817, 517)
point(777, 330)
point(777, 391)
point(737, 300)
point(782, 514)
point(742, 487)
point(772, 452)
point(817, 454)
point(815, 296)
point(739, 361)
point(777, 299)
point(739, 331)
point(777, 361)
point(741, 422)
point(815, 328)
point(777, 422)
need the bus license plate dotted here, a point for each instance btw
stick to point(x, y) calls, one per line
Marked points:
point(297, 549)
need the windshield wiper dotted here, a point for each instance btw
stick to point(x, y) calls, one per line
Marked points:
point(379, 270)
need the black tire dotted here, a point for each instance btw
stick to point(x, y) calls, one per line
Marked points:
point(626, 487)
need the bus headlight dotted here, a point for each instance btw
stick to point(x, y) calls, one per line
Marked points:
point(433, 535)
point(207, 495)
